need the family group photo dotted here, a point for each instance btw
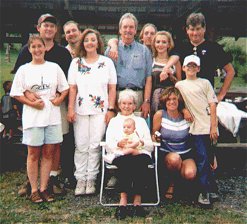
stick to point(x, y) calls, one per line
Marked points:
point(123, 111)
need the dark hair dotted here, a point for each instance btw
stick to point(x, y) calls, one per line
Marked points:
point(34, 37)
point(195, 19)
point(5, 85)
point(167, 93)
point(81, 51)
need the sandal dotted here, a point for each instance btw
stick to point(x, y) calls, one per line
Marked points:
point(35, 197)
point(169, 193)
point(46, 196)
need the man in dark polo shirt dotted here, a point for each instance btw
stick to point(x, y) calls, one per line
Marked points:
point(47, 28)
point(211, 54)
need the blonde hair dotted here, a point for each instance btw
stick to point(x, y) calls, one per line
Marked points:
point(169, 37)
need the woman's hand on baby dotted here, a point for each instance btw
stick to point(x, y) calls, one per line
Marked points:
point(122, 143)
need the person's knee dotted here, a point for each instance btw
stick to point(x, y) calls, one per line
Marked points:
point(48, 154)
point(33, 157)
point(189, 174)
point(173, 161)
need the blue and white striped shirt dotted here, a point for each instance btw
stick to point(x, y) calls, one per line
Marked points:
point(175, 135)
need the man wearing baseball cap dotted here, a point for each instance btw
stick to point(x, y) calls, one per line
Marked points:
point(47, 18)
point(47, 28)
point(200, 100)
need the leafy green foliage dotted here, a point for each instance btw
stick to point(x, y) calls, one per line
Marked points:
point(239, 54)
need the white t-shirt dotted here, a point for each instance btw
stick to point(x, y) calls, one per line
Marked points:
point(92, 84)
point(44, 80)
point(197, 95)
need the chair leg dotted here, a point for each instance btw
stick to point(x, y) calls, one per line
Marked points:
point(102, 183)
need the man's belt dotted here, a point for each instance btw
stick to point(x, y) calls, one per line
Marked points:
point(132, 88)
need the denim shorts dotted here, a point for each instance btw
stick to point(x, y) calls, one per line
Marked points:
point(38, 136)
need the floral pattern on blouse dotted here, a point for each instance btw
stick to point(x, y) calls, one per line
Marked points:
point(80, 99)
point(101, 65)
point(83, 68)
point(98, 103)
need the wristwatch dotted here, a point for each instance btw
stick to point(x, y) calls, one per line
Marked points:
point(112, 110)
point(147, 100)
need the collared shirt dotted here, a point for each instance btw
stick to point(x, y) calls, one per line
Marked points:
point(134, 65)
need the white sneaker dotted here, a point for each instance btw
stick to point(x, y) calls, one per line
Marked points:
point(111, 183)
point(80, 187)
point(203, 199)
point(90, 188)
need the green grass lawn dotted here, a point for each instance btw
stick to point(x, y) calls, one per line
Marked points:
point(71, 209)
point(6, 67)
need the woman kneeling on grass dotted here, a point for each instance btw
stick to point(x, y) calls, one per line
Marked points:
point(41, 118)
point(175, 150)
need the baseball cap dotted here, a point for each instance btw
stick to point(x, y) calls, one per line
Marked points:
point(47, 18)
point(191, 58)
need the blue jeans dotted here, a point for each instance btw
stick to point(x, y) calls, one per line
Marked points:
point(203, 156)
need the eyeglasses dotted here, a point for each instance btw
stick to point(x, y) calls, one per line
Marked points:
point(192, 66)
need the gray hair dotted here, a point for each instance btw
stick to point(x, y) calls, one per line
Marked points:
point(127, 94)
point(128, 15)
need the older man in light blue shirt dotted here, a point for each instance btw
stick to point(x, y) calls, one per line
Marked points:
point(134, 64)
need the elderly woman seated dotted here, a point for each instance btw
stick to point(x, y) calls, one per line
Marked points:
point(133, 162)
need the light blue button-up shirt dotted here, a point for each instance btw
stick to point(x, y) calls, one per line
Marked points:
point(133, 66)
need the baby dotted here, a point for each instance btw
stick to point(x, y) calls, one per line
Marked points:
point(132, 138)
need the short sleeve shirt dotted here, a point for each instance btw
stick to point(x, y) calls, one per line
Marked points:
point(92, 84)
point(197, 95)
point(57, 54)
point(134, 65)
point(211, 54)
point(44, 80)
